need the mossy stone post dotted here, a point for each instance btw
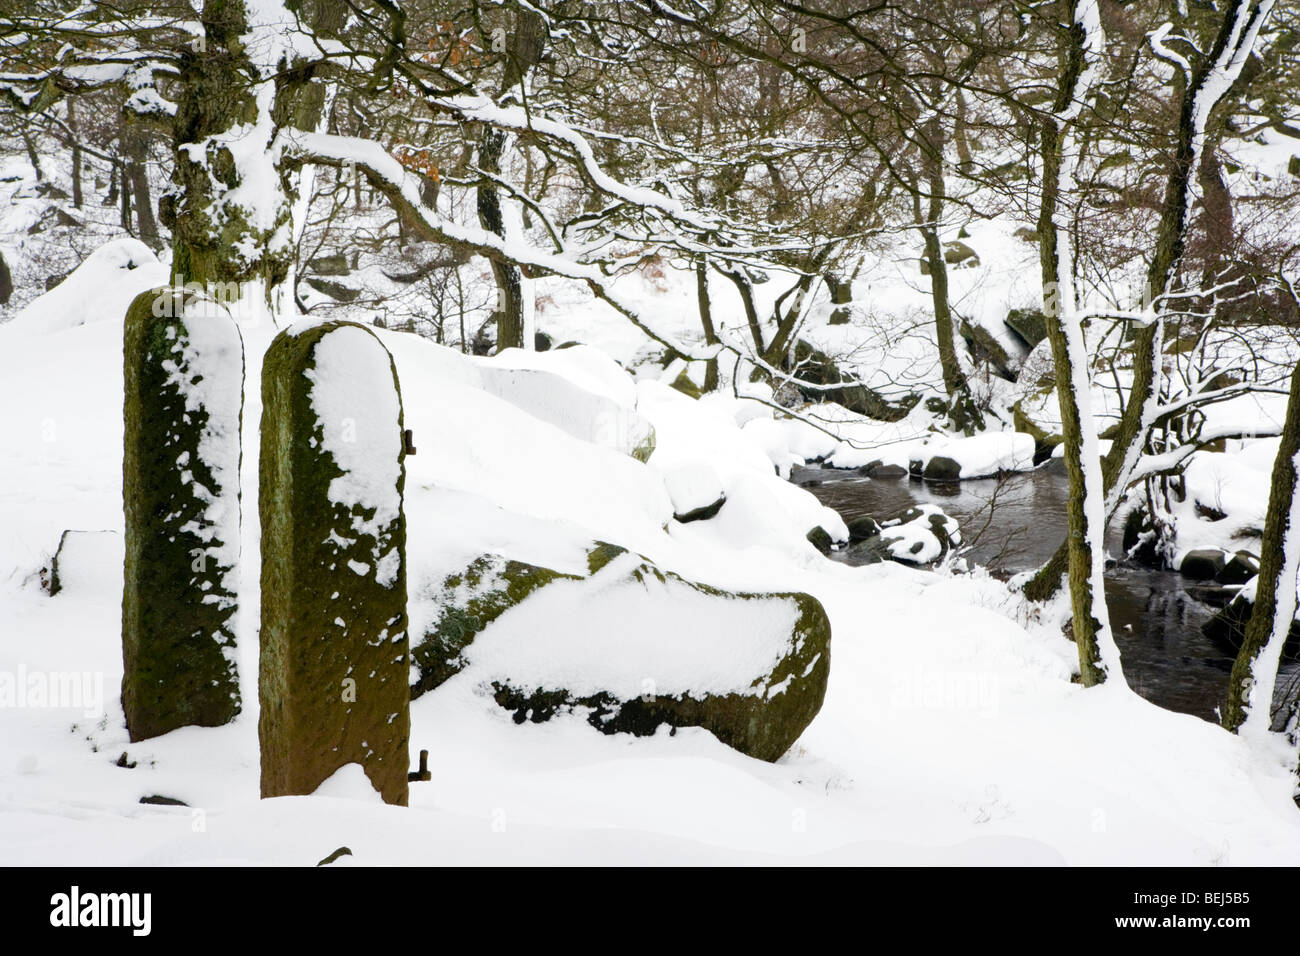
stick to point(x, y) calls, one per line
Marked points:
point(183, 402)
point(335, 654)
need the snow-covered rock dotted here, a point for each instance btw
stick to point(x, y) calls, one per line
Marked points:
point(98, 290)
point(634, 648)
point(919, 535)
point(979, 456)
point(695, 490)
point(578, 390)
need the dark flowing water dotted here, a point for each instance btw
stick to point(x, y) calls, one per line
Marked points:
point(1014, 524)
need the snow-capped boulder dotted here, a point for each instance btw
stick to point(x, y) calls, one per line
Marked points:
point(634, 648)
point(1030, 325)
point(1239, 569)
point(862, 527)
point(100, 289)
point(696, 491)
point(467, 602)
point(579, 390)
point(979, 456)
point(919, 535)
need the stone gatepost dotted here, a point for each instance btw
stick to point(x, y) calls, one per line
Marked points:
point(184, 380)
point(335, 656)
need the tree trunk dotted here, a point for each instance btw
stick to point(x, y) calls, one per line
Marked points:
point(706, 320)
point(217, 240)
point(77, 195)
point(954, 380)
point(509, 279)
point(746, 290)
point(841, 295)
point(523, 53)
point(1085, 511)
point(1250, 689)
point(136, 149)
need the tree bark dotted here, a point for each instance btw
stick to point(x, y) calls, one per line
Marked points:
point(509, 278)
point(77, 195)
point(706, 321)
point(523, 53)
point(136, 148)
point(1250, 689)
point(1085, 518)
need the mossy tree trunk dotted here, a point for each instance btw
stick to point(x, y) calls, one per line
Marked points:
point(929, 198)
point(1085, 520)
point(183, 403)
point(523, 52)
point(706, 321)
point(223, 236)
point(508, 276)
point(335, 656)
point(1254, 673)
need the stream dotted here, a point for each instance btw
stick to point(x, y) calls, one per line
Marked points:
point(1014, 523)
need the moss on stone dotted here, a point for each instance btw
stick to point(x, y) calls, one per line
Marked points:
point(602, 554)
point(646, 447)
point(468, 602)
point(820, 539)
point(985, 348)
point(684, 384)
point(1029, 324)
point(334, 647)
point(763, 723)
point(178, 605)
point(1044, 441)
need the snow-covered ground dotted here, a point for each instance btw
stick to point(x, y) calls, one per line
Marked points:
point(951, 731)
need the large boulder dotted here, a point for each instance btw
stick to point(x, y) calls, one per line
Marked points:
point(468, 601)
point(1030, 325)
point(985, 348)
point(821, 369)
point(882, 469)
point(634, 648)
point(1239, 569)
point(1201, 564)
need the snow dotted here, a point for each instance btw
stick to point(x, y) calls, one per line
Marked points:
point(989, 454)
point(914, 540)
point(951, 732)
point(693, 486)
point(117, 272)
point(357, 406)
point(349, 782)
point(208, 372)
point(586, 394)
point(627, 637)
